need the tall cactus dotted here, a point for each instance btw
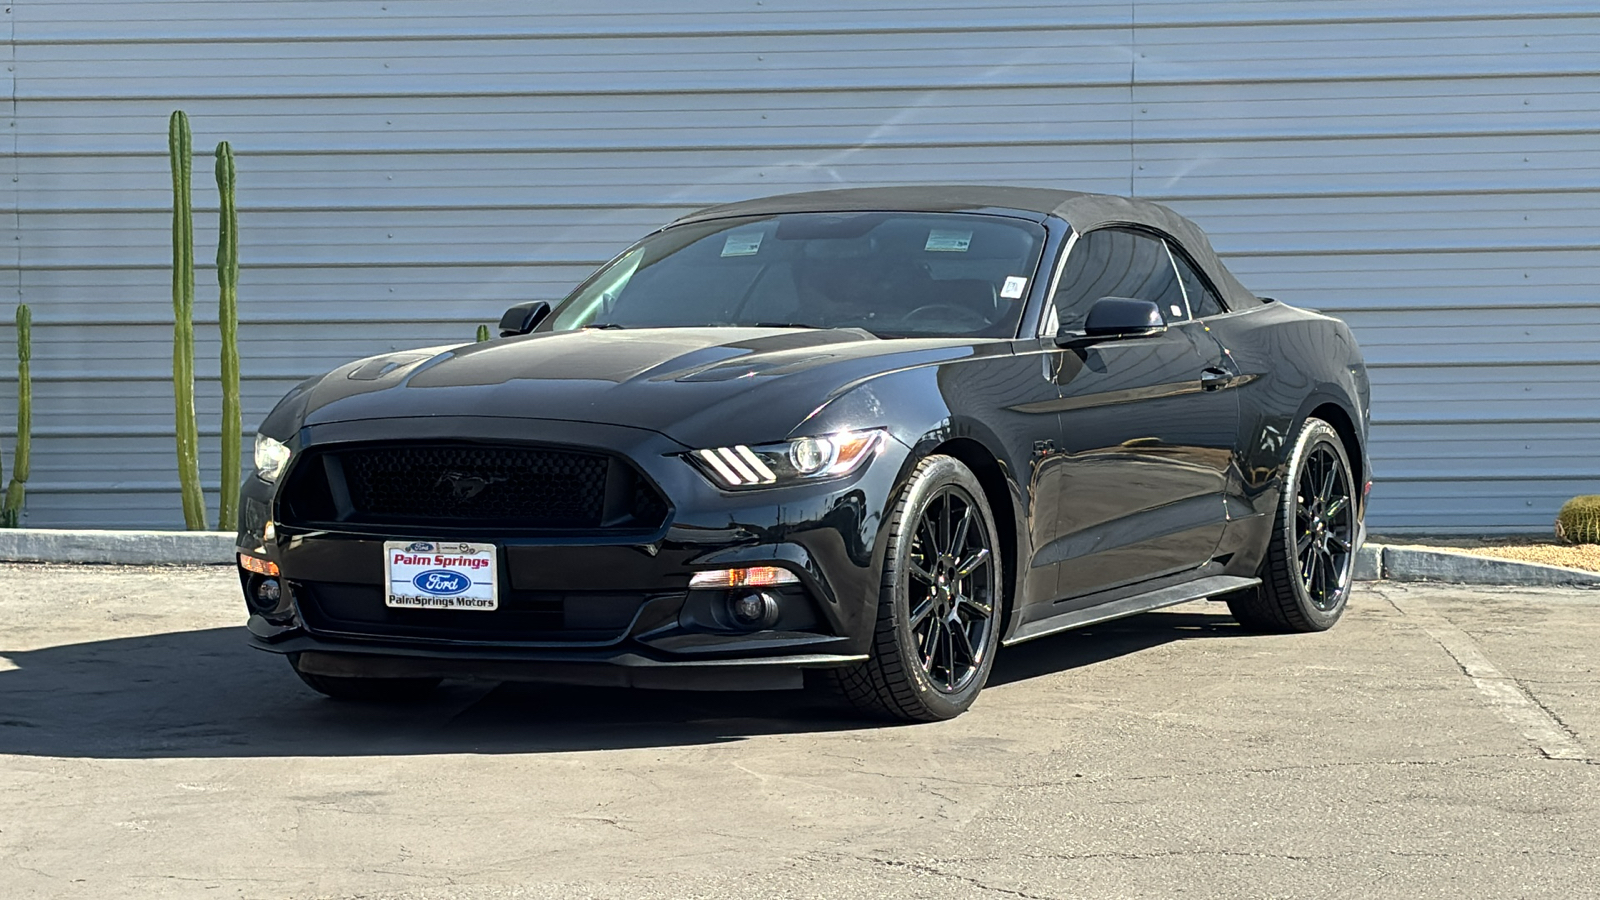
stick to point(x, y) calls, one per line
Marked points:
point(188, 433)
point(11, 516)
point(483, 333)
point(228, 321)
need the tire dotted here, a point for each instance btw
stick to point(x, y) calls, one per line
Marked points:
point(367, 690)
point(1305, 577)
point(941, 589)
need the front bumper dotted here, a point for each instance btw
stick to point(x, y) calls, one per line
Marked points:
point(601, 600)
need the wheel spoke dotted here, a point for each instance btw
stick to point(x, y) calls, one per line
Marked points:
point(919, 573)
point(1306, 552)
point(983, 610)
point(962, 641)
point(1336, 507)
point(1343, 544)
point(927, 536)
point(1330, 474)
point(930, 646)
point(920, 614)
point(970, 564)
point(958, 541)
point(944, 531)
point(950, 656)
point(1303, 544)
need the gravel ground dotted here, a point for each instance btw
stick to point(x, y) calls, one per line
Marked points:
point(1439, 742)
point(1522, 549)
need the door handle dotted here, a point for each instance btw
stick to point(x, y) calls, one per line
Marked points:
point(1215, 379)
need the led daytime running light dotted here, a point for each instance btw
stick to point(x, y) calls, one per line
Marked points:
point(824, 456)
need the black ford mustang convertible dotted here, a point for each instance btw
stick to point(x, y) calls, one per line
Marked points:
point(865, 436)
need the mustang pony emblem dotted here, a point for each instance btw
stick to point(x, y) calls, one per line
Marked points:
point(465, 487)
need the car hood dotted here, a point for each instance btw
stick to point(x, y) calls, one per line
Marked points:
point(686, 383)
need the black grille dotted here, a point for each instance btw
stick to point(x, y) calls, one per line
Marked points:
point(471, 484)
point(523, 616)
point(556, 487)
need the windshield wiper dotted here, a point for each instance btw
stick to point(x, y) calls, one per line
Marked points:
point(786, 325)
point(603, 326)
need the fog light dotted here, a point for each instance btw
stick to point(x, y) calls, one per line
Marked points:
point(268, 592)
point(758, 610)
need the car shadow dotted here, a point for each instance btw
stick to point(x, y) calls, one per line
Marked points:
point(206, 694)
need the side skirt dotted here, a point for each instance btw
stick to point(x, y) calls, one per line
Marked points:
point(1128, 606)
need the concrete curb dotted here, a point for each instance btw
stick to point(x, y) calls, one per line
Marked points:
point(1400, 562)
point(129, 548)
point(1393, 562)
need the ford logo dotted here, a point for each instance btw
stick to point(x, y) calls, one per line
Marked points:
point(441, 582)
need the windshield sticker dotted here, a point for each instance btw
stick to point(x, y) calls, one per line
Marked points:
point(1013, 288)
point(948, 241)
point(746, 244)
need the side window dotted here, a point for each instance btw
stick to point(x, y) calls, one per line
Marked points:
point(1117, 263)
point(1203, 301)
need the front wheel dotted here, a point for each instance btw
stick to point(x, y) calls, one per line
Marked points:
point(1305, 578)
point(939, 604)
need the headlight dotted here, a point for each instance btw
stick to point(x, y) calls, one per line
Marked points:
point(272, 457)
point(774, 465)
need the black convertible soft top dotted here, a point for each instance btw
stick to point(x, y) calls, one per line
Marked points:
point(1084, 212)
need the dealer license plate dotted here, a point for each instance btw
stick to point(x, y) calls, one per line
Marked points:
point(440, 575)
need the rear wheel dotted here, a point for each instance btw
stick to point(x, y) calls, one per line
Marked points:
point(939, 605)
point(367, 690)
point(1305, 578)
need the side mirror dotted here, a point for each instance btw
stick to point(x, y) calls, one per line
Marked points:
point(1113, 318)
point(523, 318)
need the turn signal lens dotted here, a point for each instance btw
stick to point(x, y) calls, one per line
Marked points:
point(258, 566)
point(759, 576)
point(853, 449)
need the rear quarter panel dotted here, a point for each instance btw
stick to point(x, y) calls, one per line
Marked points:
point(1293, 362)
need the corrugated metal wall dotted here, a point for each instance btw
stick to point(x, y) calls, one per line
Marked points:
point(406, 169)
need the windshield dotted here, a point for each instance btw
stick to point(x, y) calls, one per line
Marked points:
point(893, 274)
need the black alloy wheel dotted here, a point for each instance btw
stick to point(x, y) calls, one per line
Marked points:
point(952, 590)
point(1324, 528)
point(939, 606)
point(1306, 574)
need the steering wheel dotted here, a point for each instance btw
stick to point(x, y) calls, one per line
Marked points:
point(955, 315)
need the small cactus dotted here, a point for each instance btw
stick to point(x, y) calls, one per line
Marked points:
point(11, 515)
point(483, 333)
point(184, 425)
point(228, 322)
point(1578, 522)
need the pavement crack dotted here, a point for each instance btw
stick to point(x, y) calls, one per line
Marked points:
point(1554, 716)
point(925, 869)
point(1505, 694)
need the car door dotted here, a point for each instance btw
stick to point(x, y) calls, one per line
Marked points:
point(1147, 430)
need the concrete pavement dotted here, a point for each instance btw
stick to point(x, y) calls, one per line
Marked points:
point(145, 752)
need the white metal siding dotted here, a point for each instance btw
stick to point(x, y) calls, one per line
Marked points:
point(408, 168)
